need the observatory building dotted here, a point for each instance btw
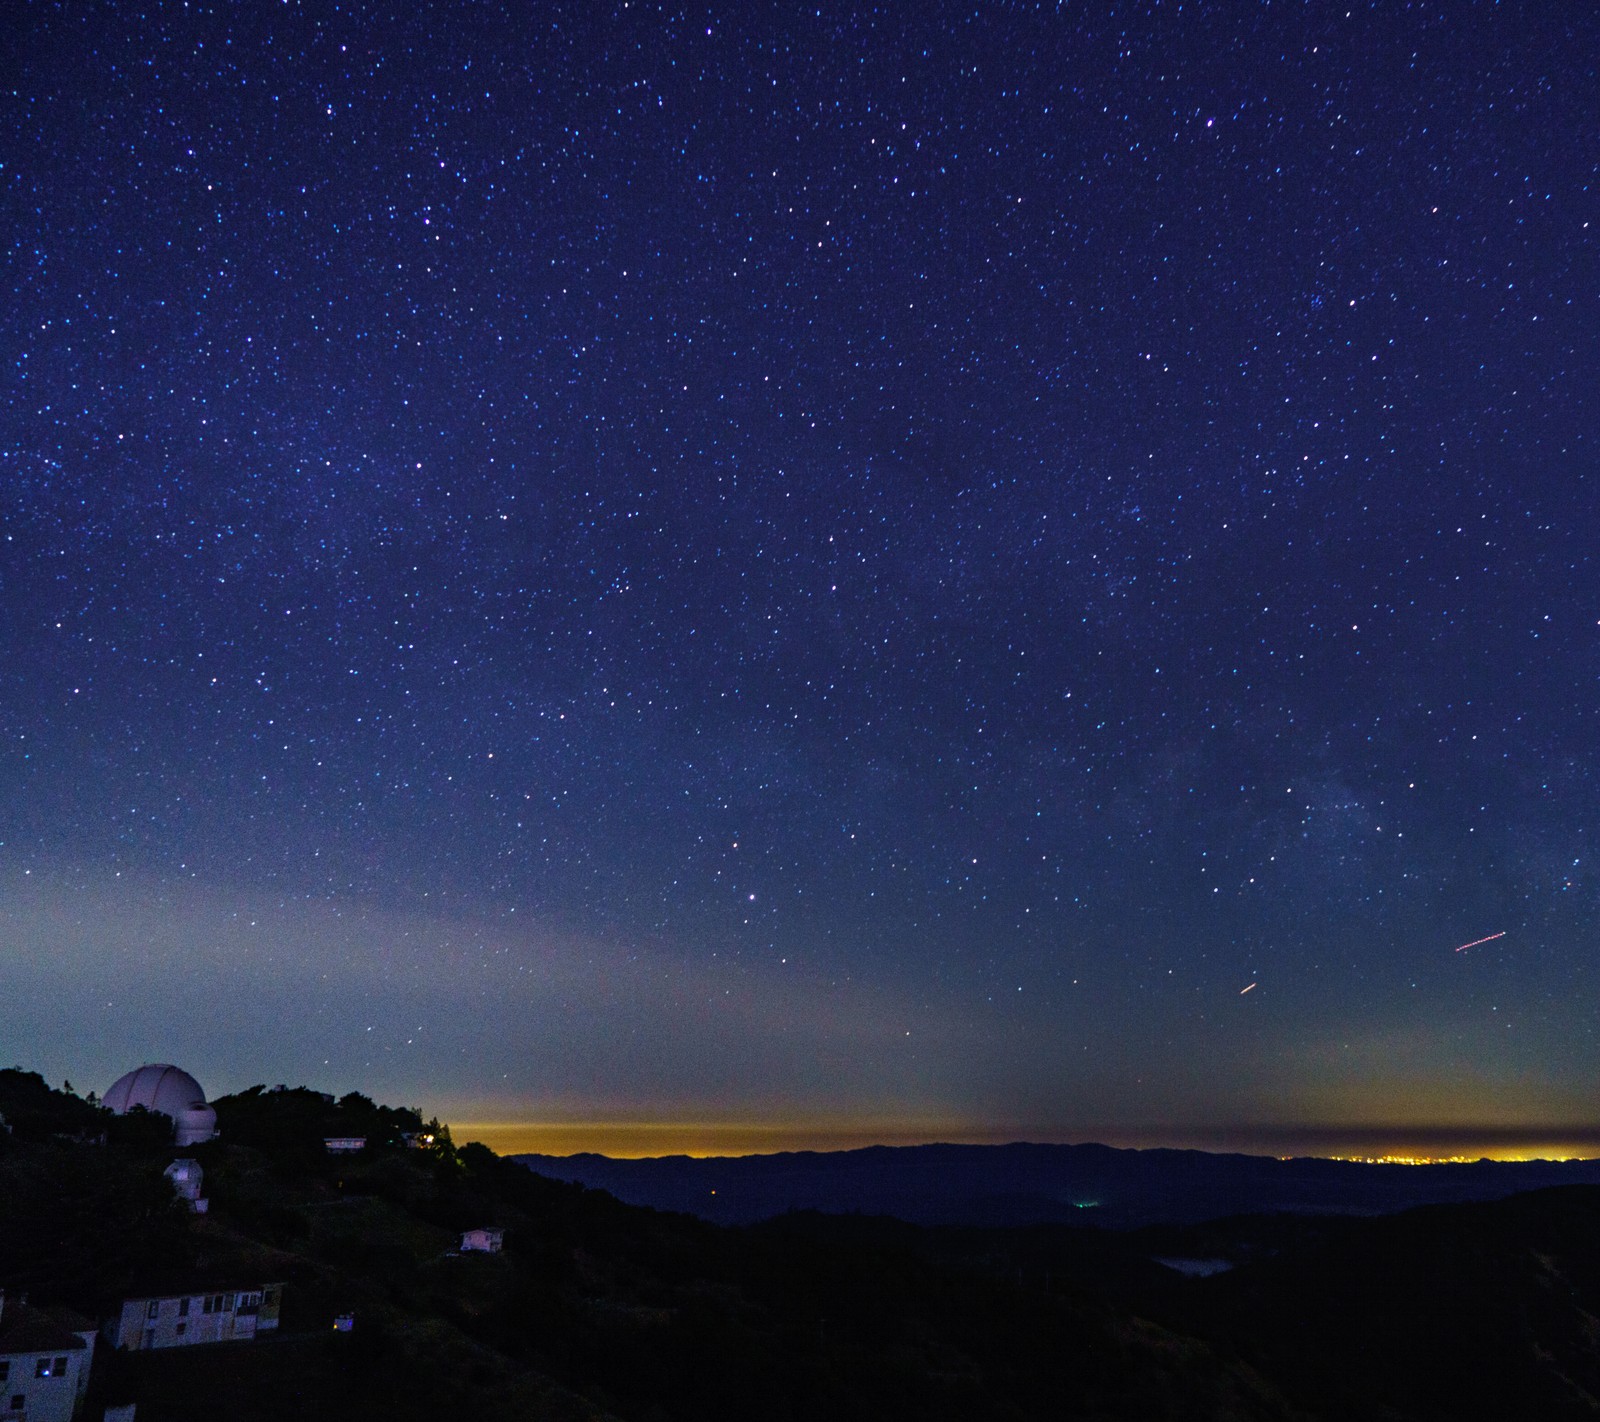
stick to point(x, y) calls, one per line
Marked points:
point(173, 1093)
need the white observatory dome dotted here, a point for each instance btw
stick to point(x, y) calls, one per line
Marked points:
point(173, 1093)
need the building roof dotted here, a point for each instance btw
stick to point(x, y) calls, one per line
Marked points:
point(189, 1283)
point(157, 1087)
point(38, 1330)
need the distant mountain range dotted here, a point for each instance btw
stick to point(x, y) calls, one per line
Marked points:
point(1044, 1184)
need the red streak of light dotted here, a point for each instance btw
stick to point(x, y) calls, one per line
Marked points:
point(1476, 941)
point(1243, 991)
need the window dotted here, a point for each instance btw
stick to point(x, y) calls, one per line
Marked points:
point(183, 1308)
point(154, 1310)
point(181, 1329)
point(18, 1403)
point(5, 1369)
point(41, 1369)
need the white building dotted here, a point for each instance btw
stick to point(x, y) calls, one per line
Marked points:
point(45, 1356)
point(483, 1241)
point(175, 1094)
point(177, 1320)
point(344, 1145)
point(188, 1179)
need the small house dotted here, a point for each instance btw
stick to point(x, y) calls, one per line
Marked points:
point(344, 1145)
point(483, 1241)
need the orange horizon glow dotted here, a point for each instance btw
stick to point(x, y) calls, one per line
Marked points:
point(635, 1140)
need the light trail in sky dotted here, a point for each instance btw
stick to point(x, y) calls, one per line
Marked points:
point(1244, 990)
point(1476, 941)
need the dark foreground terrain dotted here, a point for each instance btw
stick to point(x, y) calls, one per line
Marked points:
point(599, 1309)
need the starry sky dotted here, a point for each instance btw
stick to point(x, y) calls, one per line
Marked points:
point(839, 571)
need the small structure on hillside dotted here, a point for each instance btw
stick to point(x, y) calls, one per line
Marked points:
point(45, 1357)
point(177, 1320)
point(344, 1145)
point(175, 1094)
point(187, 1179)
point(483, 1241)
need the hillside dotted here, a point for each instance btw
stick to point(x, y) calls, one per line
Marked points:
point(598, 1309)
point(1024, 1184)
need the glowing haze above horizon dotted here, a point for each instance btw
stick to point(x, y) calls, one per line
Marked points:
point(766, 575)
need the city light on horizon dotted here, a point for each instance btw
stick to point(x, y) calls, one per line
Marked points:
point(1381, 1145)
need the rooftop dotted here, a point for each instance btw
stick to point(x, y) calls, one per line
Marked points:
point(24, 1329)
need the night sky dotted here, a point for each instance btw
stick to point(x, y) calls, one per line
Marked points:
point(856, 573)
